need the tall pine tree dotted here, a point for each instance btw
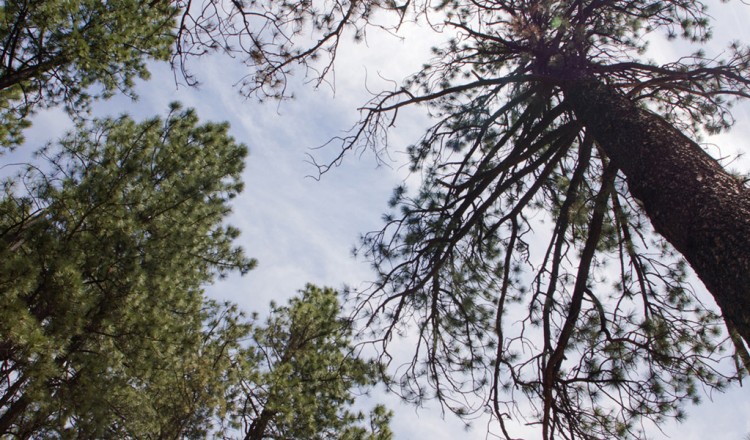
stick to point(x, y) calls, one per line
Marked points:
point(104, 252)
point(545, 257)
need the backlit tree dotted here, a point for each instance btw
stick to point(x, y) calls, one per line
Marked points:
point(541, 260)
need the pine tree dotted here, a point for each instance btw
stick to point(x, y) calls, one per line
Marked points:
point(67, 52)
point(105, 249)
point(307, 374)
point(544, 260)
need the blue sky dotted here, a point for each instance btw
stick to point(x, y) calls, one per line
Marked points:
point(303, 230)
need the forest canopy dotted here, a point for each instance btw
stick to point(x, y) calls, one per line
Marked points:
point(543, 264)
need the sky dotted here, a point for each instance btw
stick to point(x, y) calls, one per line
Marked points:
point(302, 230)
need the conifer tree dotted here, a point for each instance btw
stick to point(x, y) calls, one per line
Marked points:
point(544, 260)
point(307, 375)
point(104, 253)
point(545, 256)
point(67, 52)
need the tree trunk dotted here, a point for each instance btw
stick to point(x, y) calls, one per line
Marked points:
point(10, 416)
point(702, 210)
point(257, 429)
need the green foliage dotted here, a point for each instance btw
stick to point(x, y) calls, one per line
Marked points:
point(308, 372)
point(68, 51)
point(105, 254)
point(108, 242)
point(104, 249)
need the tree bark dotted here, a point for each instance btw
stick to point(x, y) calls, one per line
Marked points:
point(257, 429)
point(702, 210)
point(13, 77)
point(11, 414)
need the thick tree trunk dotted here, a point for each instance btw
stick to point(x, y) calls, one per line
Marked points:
point(697, 206)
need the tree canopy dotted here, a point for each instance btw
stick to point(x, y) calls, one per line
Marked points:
point(66, 52)
point(105, 251)
point(308, 371)
point(541, 259)
point(69, 52)
point(110, 238)
point(107, 245)
point(543, 262)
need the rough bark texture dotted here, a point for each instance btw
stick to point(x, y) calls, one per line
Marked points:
point(702, 210)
